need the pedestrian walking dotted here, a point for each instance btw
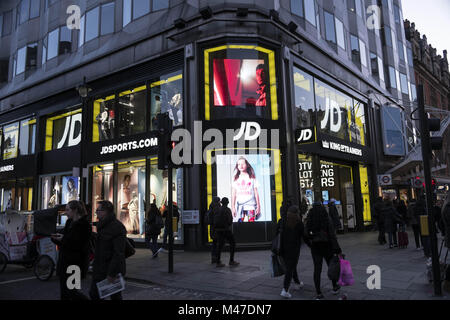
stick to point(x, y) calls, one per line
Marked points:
point(403, 215)
point(167, 222)
point(153, 225)
point(414, 220)
point(73, 244)
point(323, 242)
point(292, 233)
point(378, 207)
point(334, 214)
point(390, 216)
point(223, 221)
point(209, 220)
point(109, 258)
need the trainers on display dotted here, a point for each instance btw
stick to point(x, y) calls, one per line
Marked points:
point(285, 294)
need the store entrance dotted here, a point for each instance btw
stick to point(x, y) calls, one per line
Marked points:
point(336, 185)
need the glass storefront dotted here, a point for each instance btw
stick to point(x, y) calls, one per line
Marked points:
point(58, 189)
point(63, 130)
point(8, 193)
point(336, 182)
point(131, 193)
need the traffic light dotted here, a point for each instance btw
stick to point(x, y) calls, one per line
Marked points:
point(434, 124)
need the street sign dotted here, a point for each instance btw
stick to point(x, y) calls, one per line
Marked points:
point(190, 217)
point(384, 179)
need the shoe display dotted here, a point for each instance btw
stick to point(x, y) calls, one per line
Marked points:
point(285, 294)
point(233, 263)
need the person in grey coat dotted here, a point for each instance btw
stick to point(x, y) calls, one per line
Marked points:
point(109, 258)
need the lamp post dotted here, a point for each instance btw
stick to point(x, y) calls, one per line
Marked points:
point(83, 91)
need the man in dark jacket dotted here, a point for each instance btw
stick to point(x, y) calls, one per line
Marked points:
point(414, 219)
point(213, 209)
point(167, 222)
point(378, 206)
point(153, 226)
point(109, 258)
point(390, 223)
point(223, 221)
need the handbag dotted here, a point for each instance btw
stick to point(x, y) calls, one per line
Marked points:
point(277, 267)
point(129, 248)
point(346, 275)
point(334, 268)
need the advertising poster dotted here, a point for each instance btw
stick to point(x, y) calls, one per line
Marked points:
point(128, 201)
point(245, 181)
point(69, 189)
point(240, 82)
point(11, 140)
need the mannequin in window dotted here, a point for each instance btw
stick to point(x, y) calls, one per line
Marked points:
point(133, 209)
point(52, 201)
point(124, 200)
point(176, 106)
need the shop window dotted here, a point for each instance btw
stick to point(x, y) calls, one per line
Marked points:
point(166, 95)
point(24, 194)
point(365, 194)
point(63, 130)
point(58, 189)
point(249, 182)
point(131, 195)
point(92, 20)
point(10, 141)
point(357, 123)
point(131, 108)
point(104, 121)
point(332, 108)
point(102, 185)
point(107, 19)
point(240, 82)
point(393, 131)
point(304, 99)
point(8, 193)
point(27, 138)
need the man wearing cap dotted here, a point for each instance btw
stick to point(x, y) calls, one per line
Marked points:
point(223, 221)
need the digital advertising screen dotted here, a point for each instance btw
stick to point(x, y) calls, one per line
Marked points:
point(69, 189)
point(246, 181)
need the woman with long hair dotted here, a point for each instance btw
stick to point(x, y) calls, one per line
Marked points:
point(73, 245)
point(245, 202)
point(324, 244)
point(292, 233)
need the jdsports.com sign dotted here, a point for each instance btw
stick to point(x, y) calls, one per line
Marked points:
point(129, 146)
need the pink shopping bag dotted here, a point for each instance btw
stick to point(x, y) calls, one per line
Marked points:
point(346, 276)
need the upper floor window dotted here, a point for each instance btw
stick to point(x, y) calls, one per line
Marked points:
point(401, 52)
point(356, 55)
point(362, 47)
point(57, 42)
point(26, 58)
point(330, 32)
point(97, 21)
point(304, 98)
point(19, 138)
point(28, 9)
point(355, 6)
point(410, 57)
point(404, 83)
point(388, 36)
point(134, 9)
point(374, 65)
point(27, 138)
point(397, 14)
point(297, 7)
point(6, 20)
point(310, 11)
point(10, 140)
point(392, 78)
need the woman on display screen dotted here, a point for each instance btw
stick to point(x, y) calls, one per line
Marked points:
point(244, 197)
point(72, 192)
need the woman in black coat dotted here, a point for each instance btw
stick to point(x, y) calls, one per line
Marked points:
point(73, 245)
point(153, 226)
point(292, 233)
point(390, 222)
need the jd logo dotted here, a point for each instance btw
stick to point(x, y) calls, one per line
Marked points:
point(332, 115)
point(374, 281)
point(247, 128)
point(305, 135)
point(71, 127)
point(74, 280)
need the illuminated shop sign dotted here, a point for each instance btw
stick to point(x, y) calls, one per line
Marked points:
point(128, 146)
point(7, 168)
point(305, 135)
point(342, 148)
point(63, 130)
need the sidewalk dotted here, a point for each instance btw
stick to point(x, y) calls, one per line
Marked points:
point(402, 272)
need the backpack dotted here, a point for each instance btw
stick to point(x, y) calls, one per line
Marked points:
point(221, 219)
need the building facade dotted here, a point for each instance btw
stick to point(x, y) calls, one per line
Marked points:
point(301, 99)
